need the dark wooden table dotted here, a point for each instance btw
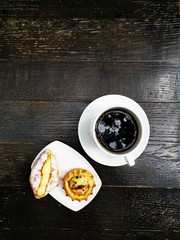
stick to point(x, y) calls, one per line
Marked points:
point(55, 58)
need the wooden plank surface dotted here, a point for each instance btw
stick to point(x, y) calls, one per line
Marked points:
point(26, 127)
point(36, 121)
point(135, 212)
point(83, 40)
point(55, 58)
point(157, 167)
point(66, 31)
point(144, 82)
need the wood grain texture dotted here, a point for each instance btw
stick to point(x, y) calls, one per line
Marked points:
point(55, 58)
point(151, 169)
point(103, 235)
point(26, 127)
point(135, 213)
point(90, 9)
point(43, 121)
point(145, 82)
point(134, 31)
point(83, 40)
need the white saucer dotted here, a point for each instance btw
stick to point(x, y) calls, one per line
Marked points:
point(87, 140)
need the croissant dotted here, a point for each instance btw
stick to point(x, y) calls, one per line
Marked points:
point(44, 175)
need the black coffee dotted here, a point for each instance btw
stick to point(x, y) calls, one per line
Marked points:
point(116, 130)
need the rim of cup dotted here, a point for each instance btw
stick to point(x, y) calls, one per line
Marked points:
point(125, 152)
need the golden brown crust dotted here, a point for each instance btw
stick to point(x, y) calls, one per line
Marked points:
point(79, 184)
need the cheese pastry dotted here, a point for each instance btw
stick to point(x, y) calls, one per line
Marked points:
point(79, 184)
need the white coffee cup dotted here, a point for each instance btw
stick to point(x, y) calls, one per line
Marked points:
point(127, 155)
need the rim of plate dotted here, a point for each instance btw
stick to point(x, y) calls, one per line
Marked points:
point(92, 109)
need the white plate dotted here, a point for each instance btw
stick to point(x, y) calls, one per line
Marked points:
point(87, 140)
point(68, 158)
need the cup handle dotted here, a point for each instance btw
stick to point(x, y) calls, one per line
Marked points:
point(130, 161)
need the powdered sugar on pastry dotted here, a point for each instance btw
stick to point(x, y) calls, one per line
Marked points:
point(44, 175)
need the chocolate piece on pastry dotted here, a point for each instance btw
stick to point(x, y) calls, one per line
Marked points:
point(44, 175)
point(79, 184)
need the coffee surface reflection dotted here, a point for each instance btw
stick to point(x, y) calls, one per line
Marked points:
point(116, 130)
